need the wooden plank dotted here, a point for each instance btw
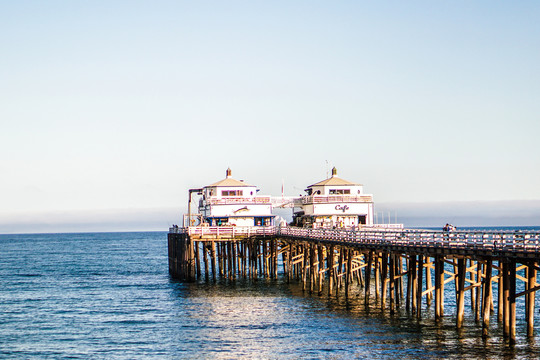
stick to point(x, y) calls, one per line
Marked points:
point(527, 292)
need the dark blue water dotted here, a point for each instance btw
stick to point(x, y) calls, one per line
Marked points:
point(109, 296)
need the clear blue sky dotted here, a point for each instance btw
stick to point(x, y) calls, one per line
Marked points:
point(126, 104)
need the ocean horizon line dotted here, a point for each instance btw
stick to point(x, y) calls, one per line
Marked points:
point(165, 231)
point(411, 214)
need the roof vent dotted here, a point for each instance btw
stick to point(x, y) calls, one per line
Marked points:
point(228, 172)
point(334, 171)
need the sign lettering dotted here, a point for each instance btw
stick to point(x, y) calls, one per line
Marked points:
point(342, 207)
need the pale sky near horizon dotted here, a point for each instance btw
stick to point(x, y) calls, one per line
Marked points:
point(127, 104)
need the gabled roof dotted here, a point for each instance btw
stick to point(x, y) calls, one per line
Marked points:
point(229, 181)
point(334, 181)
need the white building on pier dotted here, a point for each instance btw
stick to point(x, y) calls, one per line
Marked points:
point(334, 203)
point(231, 202)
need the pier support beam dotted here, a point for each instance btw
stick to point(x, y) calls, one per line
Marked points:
point(368, 277)
point(531, 288)
point(181, 257)
point(506, 298)
point(330, 265)
point(460, 281)
point(512, 301)
point(486, 303)
point(419, 286)
point(439, 287)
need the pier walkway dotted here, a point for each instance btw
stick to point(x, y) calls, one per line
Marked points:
point(403, 267)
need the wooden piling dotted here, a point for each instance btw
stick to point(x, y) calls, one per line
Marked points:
point(320, 252)
point(500, 292)
point(392, 282)
point(205, 260)
point(384, 279)
point(512, 300)
point(197, 263)
point(312, 269)
point(429, 285)
point(368, 276)
point(276, 252)
point(377, 265)
point(413, 283)
point(531, 288)
point(506, 298)
point(305, 267)
point(439, 287)
point(478, 289)
point(348, 273)
point(330, 266)
point(340, 270)
point(419, 286)
point(460, 281)
point(487, 298)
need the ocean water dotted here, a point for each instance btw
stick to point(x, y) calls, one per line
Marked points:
point(109, 296)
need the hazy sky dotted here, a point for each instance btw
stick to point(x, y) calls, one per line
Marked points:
point(126, 104)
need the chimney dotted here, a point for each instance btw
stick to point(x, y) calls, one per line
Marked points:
point(334, 171)
point(228, 172)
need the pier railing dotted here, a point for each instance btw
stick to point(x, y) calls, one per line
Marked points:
point(500, 241)
point(238, 200)
point(225, 230)
point(504, 241)
point(316, 199)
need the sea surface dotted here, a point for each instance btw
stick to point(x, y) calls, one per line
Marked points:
point(109, 296)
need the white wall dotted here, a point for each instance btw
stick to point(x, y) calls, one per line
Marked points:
point(325, 190)
point(338, 209)
point(248, 191)
point(229, 210)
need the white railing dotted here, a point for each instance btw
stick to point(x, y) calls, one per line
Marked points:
point(316, 199)
point(382, 226)
point(283, 201)
point(238, 200)
point(230, 230)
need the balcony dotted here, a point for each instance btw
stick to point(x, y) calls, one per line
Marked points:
point(238, 200)
point(323, 199)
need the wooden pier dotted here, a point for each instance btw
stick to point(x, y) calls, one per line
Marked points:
point(405, 268)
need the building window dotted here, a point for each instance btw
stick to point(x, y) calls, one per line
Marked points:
point(340, 191)
point(262, 221)
point(221, 222)
point(232, 193)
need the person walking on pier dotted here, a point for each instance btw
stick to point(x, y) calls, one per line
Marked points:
point(449, 227)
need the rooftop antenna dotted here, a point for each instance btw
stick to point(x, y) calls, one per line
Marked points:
point(326, 168)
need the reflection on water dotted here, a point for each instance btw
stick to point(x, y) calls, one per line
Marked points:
point(275, 319)
point(110, 296)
